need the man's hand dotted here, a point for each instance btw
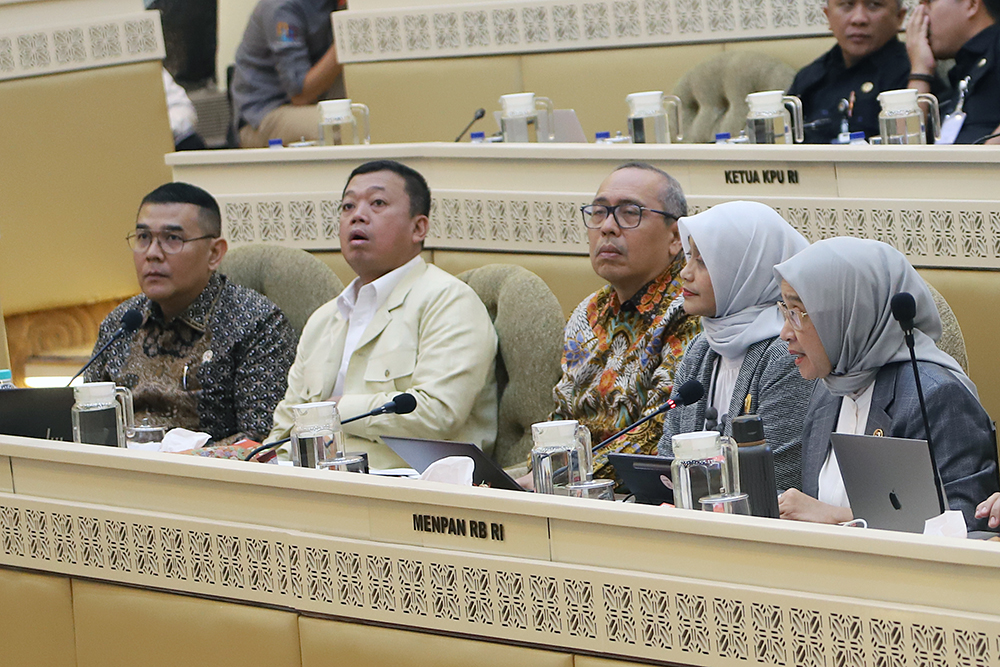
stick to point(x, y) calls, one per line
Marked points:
point(797, 506)
point(319, 78)
point(990, 508)
point(918, 45)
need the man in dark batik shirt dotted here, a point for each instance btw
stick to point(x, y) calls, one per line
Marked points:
point(209, 355)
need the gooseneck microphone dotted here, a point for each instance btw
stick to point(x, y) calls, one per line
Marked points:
point(401, 404)
point(479, 114)
point(688, 393)
point(131, 320)
point(904, 309)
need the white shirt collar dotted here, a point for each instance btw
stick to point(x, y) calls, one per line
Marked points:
point(382, 287)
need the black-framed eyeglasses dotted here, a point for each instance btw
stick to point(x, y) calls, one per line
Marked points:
point(627, 216)
point(170, 242)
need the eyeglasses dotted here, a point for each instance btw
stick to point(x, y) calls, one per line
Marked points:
point(170, 242)
point(793, 317)
point(627, 216)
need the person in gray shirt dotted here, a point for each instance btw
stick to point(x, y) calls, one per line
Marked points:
point(286, 63)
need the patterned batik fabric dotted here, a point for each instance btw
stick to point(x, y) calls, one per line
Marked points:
point(219, 367)
point(619, 361)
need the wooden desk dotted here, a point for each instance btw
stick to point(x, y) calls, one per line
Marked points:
point(587, 577)
point(937, 205)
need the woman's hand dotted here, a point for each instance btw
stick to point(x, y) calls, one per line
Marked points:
point(990, 508)
point(797, 506)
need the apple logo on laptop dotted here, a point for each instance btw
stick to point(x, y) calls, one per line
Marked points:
point(895, 500)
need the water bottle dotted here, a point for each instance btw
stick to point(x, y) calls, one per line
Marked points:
point(6, 379)
point(756, 466)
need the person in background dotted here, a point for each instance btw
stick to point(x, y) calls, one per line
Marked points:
point(744, 366)
point(183, 117)
point(840, 89)
point(286, 62)
point(965, 30)
point(209, 355)
point(840, 329)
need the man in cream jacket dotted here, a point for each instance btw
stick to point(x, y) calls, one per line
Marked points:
point(401, 325)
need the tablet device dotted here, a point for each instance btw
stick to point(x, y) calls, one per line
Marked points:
point(647, 477)
point(420, 453)
point(890, 482)
point(37, 413)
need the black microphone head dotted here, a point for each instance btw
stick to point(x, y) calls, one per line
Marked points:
point(904, 309)
point(690, 392)
point(131, 320)
point(479, 114)
point(405, 404)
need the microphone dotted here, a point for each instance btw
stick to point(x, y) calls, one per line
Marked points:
point(401, 404)
point(688, 393)
point(131, 320)
point(711, 418)
point(904, 309)
point(479, 114)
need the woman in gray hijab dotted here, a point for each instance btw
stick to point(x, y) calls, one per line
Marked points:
point(745, 368)
point(839, 328)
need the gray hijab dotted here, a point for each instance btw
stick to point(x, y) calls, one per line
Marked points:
point(846, 285)
point(741, 241)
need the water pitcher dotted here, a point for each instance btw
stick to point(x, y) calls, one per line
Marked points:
point(102, 414)
point(902, 121)
point(705, 464)
point(519, 118)
point(769, 121)
point(338, 124)
point(560, 455)
point(647, 117)
point(317, 436)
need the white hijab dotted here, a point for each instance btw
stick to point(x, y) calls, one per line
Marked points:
point(740, 242)
point(846, 285)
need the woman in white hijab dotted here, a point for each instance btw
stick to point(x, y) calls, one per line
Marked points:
point(839, 327)
point(731, 250)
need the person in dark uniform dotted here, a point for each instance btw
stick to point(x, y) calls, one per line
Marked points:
point(840, 89)
point(965, 30)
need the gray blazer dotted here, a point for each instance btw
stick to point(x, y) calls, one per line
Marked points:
point(962, 433)
point(777, 393)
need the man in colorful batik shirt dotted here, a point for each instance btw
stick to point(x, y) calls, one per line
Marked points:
point(624, 341)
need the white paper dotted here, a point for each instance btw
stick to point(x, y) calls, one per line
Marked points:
point(181, 440)
point(450, 470)
point(949, 524)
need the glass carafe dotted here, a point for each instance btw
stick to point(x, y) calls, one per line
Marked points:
point(102, 414)
point(338, 125)
point(902, 121)
point(769, 121)
point(560, 455)
point(647, 117)
point(705, 464)
point(519, 118)
point(317, 436)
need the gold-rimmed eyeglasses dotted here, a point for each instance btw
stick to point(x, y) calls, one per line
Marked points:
point(793, 317)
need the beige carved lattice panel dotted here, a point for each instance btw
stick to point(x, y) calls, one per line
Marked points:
point(490, 28)
point(625, 613)
point(82, 45)
point(928, 232)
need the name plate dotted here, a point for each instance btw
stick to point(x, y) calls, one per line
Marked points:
point(744, 179)
point(474, 530)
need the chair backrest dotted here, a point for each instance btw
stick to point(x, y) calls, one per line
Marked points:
point(294, 280)
point(952, 341)
point(529, 324)
point(713, 93)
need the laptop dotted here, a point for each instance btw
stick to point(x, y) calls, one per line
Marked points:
point(420, 453)
point(890, 482)
point(37, 413)
point(647, 477)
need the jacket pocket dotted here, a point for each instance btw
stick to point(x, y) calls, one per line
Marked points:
point(391, 365)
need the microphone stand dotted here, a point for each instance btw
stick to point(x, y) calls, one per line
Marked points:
point(908, 337)
point(659, 411)
point(94, 358)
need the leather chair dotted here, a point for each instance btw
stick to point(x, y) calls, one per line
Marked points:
point(294, 280)
point(529, 324)
point(713, 93)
